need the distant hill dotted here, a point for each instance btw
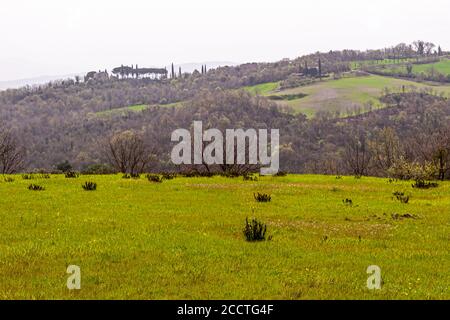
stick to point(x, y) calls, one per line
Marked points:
point(185, 67)
point(14, 84)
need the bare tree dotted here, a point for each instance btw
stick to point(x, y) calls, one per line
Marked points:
point(11, 154)
point(357, 155)
point(127, 152)
point(440, 143)
point(419, 45)
point(386, 149)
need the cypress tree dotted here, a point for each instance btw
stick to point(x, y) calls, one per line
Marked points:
point(320, 69)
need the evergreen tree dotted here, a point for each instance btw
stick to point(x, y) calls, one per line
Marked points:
point(320, 69)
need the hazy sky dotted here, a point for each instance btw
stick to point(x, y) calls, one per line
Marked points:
point(51, 37)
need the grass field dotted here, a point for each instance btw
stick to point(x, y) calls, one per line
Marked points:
point(347, 93)
point(263, 88)
point(442, 67)
point(358, 64)
point(182, 239)
point(134, 108)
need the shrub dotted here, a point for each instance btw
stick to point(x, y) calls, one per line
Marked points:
point(255, 230)
point(35, 187)
point(262, 197)
point(280, 174)
point(193, 174)
point(154, 178)
point(8, 179)
point(44, 176)
point(27, 176)
point(348, 202)
point(422, 184)
point(131, 176)
point(71, 174)
point(89, 186)
point(168, 175)
point(248, 177)
point(401, 196)
point(404, 170)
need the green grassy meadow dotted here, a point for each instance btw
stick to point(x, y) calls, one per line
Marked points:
point(358, 64)
point(133, 108)
point(182, 239)
point(347, 93)
point(442, 67)
point(263, 89)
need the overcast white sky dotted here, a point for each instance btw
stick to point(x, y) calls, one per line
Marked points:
point(51, 37)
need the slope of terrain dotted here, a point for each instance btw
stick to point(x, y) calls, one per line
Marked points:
point(345, 94)
point(182, 239)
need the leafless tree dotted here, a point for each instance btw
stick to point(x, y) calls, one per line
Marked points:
point(11, 154)
point(357, 155)
point(386, 149)
point(440, 142)
point(127, 152)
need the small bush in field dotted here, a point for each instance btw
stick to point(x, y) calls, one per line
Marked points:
point(27, 176)
point(255, 230)
point(8, 179)
point(35, 187)
point(262, 197)
point(249, 177)
point(89, 186)
point(168, 175)
point(71, 174)
point(348, 202)
point(154, 178)
point(422, 184)
point(401, 196)
point(131, 176)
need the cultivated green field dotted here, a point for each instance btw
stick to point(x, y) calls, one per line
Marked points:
point(182, 239)
point(358, 64)
point(442, 67)
point(133, 108)
point(348, 93)
point(263, 88)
